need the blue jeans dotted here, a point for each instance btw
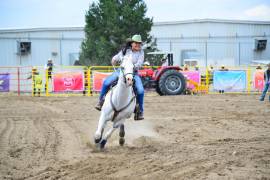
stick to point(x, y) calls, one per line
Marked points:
point(266, 86)
point(138, 85)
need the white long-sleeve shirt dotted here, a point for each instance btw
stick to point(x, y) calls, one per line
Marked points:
point(137, 57)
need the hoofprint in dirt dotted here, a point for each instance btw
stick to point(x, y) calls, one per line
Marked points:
point(182, 137)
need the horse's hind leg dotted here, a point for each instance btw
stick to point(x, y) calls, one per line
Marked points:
point(122, 135)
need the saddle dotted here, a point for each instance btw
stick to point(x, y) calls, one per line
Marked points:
point(114, 83)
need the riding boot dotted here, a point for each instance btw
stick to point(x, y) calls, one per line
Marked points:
point(99, 105)
point(140, 116)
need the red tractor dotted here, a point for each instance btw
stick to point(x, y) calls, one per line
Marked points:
point(167, 79)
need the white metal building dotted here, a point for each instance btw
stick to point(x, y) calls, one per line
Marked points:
point(205, 42)
point(216, 42)
point(35, 46)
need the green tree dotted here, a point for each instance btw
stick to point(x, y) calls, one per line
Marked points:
point(108, 24)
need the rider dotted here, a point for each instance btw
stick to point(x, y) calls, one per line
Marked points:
point(133, 48)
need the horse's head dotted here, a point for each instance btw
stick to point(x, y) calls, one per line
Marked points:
point(127, 68)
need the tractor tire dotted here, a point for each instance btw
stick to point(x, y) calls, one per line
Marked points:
point(158, 91)
point(172, 82)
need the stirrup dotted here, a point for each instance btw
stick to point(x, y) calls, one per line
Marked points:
point(99, 105)
point(137, 113)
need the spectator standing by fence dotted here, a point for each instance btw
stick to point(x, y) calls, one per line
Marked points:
point(222, 68)
point(36, 80)
point(48, 67)
point(259, 67)
point(164, 61)
point(186, 68)
point(267, 83)
point(210, 72)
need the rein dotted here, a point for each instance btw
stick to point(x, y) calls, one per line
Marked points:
point(116, 112)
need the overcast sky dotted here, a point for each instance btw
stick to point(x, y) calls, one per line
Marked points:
point(70, 13)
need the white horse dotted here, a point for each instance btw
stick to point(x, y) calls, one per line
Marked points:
point(118, 106)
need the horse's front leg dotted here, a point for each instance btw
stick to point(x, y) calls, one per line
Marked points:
point(122, 135)
point(115, 126)
point(101, 125)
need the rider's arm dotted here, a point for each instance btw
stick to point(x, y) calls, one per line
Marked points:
point(117, 58)
point(140, 60)
point(29, 77)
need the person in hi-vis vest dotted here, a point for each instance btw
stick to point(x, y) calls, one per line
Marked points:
point(37, 81)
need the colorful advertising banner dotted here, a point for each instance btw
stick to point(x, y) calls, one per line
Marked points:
point(230, 81)
point(4, 82)
point(194, 76)
point(259, 80)
point(68, 81)
point(98, 78)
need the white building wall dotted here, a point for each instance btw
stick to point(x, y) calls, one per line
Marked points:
point(216, 42)
point(60, 44)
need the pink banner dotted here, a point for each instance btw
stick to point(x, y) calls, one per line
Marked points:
point(192, 75)
point(68, 81)
point(98, 78)
point(259, 80)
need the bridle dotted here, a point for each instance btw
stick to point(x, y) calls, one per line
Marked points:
point(125, 74)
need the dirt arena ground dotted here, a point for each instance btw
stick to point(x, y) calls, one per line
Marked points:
point(182, 137)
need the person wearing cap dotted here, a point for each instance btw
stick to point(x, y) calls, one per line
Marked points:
point(49, 67)
point(132, 48)
point(210, 70)
point(37, 81)
point(146, 63)
point(267, 83)
point(186, 67)
point(222, 68)
point(164, 60)
point(259, 67)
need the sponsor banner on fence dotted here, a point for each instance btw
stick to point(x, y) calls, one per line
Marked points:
point(4, 82)
point(230, 81)
point(98, 78)
point(68, 81)
point(194, 76)
point(259, 80)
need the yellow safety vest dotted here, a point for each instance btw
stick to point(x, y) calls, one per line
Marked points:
point(38, 81)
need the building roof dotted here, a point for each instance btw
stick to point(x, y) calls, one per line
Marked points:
point(16, 30)
point(11, 30)
point(213, 21)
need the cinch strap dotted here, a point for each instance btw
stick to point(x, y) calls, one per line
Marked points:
point(116, 112)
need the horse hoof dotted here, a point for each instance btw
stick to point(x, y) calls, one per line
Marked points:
point(97, 140)
point(103, 143)
point(121, 141)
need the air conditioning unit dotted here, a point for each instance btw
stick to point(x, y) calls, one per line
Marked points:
point(260, 44)
point(23, 48)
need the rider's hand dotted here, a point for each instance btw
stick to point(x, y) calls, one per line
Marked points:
point(114, 63)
